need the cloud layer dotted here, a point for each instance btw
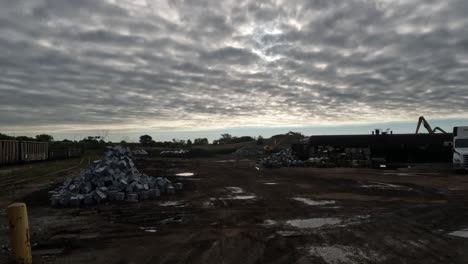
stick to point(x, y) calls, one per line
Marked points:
point(175, 65)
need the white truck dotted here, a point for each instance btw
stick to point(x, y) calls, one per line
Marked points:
point(460, 148)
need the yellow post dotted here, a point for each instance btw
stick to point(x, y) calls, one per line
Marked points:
point(19, 233)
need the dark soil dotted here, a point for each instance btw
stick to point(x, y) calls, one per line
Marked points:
point(204, 224)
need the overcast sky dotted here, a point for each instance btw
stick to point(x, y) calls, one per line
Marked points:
point(75, 66)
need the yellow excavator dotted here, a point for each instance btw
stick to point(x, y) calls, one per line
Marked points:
point(428, 127)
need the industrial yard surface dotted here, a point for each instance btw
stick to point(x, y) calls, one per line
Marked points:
point(232, 212)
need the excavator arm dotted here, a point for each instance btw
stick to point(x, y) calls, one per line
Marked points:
point(428, 127)
point(440, 129)
point(423, 121)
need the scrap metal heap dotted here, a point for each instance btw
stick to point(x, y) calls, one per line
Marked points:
point(174, 153)
point(115, 178)
point(283, 158)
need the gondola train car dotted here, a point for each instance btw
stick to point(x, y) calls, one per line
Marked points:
point(14, 152)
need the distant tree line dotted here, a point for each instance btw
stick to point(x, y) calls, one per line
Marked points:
point(49, 138)
point(41, 137)
point(91, 140)
point(229, 139)
point(147, 140)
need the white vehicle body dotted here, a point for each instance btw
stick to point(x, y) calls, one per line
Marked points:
point(460, 148)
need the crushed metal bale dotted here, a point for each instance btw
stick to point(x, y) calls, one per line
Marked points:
point(115, 178)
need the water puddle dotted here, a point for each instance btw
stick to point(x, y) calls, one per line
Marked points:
point(208, 204)
point(399, 174)
point(386, 186)
point(171, 203)
point(224, 161)
point(270, 183)
point(288, 233)
point(460, 233)
point(236, 190)
point(269, 222)
point(332, 207)
point(149, 229)
point(344, 254)
point(313, 202)
point(240, 197)
point(407, 174)
point(185, 174)
point(313, 222)
point(238, 193)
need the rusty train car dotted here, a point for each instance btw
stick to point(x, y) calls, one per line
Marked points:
point(9, 152)
point(14, 151)
point(64, 153)
point(33, 151)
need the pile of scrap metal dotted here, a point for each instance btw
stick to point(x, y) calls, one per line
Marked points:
point(286, 158)
point(115, 178)
point(139, 152)
point(328, 156)
point(283, 158)
point(174, 153)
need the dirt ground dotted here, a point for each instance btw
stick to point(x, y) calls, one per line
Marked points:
point(232, 212)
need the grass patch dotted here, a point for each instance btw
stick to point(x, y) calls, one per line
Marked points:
point(45, 169)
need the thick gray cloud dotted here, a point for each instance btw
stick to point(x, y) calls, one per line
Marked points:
point(132, 65)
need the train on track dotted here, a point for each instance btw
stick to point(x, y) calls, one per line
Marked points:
point(14, 152)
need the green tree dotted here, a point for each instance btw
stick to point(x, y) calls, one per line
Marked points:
point(44, 138)
point(189, 142)
point(89, 139)
point(24, 138)
point(226, 136)
point(146, 139)
point(241, 139)
point(260, 140)
point(5, 137)
point(225, 139)
point(200, 141)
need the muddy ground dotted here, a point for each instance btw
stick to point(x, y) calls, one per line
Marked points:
point(232, 212)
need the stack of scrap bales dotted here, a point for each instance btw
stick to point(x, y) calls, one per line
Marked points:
point(283, 158)
point(115, 178)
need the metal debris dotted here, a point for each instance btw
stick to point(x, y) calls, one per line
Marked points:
point(115, 178)
point(173, 153)
point(283, 158)
point(140, 152)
